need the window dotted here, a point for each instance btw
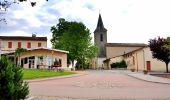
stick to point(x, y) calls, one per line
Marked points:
point(28, 45)
point(19, 44)
point(39, 44)
point(101, 37)
point(9, 44)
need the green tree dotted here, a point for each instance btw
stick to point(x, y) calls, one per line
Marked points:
point(75, 38)
point(159, 51)
point(12, 86)
point(58, 31)
point(168, 44)
point(18, 52)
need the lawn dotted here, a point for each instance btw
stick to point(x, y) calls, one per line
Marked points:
point(35, 73)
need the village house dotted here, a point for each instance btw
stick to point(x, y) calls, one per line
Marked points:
point(37, 56)
point(140, 59)
point(9, 44)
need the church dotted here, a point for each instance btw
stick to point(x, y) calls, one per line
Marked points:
point(107, 50)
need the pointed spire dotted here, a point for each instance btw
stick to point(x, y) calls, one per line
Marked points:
point(100, 26)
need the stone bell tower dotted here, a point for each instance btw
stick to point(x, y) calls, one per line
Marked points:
point(100, 38)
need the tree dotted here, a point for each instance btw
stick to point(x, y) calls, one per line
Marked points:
point(58, 31)
point(18, 52)
point(75, 38)
point(159, 51)
point(168, 45)
point(12, 86)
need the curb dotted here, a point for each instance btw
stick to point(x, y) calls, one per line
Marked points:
point(148, 80)
point(53, 78)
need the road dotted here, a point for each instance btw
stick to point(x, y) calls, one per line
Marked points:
point(103, 85)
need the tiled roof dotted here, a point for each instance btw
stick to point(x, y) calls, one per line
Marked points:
point(126, 45)
point(44, 48)
point(23, 38)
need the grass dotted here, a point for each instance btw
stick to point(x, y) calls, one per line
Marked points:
point(35, 73)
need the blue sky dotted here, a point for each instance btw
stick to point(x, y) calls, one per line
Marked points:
point(131, 21)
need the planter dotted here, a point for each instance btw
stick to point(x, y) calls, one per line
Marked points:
point(145, 71)
point(133, 70)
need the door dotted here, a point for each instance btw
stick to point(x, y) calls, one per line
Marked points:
point(31, 61)
point(148, 65)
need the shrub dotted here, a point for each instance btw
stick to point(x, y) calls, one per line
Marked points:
point(121, 64)
point(145, 71)
point(12, 86)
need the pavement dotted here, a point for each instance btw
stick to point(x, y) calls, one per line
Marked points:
point(137, 75)
point(148, 77)
point(100, 85)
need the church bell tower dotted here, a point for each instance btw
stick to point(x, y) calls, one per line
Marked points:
point(100, 38)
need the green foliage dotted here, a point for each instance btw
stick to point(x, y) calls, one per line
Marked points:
point(159, 51)
point(168, 43)
point(12, 86)
point(75, 38)
point(18, 52)
point(121, 64)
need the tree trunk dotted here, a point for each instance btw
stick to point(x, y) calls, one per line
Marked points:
point(18, 60)
point(72, 63)
point(167, 67)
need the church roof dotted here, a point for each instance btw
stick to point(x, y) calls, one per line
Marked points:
point(126, 45)
point(100, 26)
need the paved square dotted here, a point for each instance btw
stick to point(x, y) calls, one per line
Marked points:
point(101, 84)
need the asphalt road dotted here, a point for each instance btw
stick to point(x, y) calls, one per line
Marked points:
point(101, 84)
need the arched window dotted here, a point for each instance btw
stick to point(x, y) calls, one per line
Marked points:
point(101, 37)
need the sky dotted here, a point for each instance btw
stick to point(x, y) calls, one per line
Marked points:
point(127, 21)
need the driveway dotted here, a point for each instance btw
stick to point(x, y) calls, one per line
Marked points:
point(100, 84)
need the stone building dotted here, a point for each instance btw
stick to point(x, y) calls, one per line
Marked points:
point(37, 56)
point(109, 50)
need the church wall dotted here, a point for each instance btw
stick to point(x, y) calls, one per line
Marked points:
point(100, 63)
point(116, 51)
point(116, 59)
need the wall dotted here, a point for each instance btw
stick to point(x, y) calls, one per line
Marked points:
point(141, 57)
point(117, 51)
point(156, 65)
point(98, 63)
point(116, 59)
point(101, 44)
point(34, 44)
point(43, 52)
